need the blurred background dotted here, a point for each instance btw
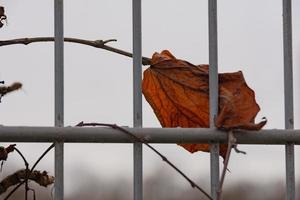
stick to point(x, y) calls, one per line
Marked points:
point(98, 88)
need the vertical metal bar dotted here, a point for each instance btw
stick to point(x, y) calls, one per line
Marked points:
point(59, 171)
point(137, 97)
point(213, 92)
point(288, 96)
point(59, 96)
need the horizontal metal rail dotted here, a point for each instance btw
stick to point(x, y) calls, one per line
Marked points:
point(152, 135)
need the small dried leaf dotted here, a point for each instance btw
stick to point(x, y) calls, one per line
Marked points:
point(178, 92)
point(41, 178)
point(2, 16)
point(5, 151)
point(7, 89)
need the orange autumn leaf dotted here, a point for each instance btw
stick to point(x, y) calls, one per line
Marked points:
point(178, 92)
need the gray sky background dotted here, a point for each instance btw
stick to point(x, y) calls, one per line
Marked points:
point(98, 84)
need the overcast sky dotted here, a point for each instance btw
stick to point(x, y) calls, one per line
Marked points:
point(98, 84)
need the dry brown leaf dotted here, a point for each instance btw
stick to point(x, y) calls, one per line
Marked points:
point(5, 151)
point(7, 89)
point(41, 178)
point(2, 16)
point(178, 92)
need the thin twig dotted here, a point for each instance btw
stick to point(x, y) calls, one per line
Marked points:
point(142, 140)
point(31, 170)
point(26, 171)
point(237, 150)
point(33, 193)
point(101, 44)
point(41, 157)
point(231, 143)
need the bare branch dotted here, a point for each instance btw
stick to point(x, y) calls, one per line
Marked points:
point(22, 156)
point(144, 141)
point(101, 44)
point(42, 156)
point(31, 170)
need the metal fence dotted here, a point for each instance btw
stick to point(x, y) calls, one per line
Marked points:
point(61, 135)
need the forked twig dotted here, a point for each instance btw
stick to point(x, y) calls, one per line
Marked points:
point(144, 141)
point(101, 44)
point(31, 170)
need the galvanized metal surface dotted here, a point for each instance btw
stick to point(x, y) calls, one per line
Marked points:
point(213, 92)
point(137, 97)
point(288, 97)
point(138, 171)
point(214, 168)
point(59, 171)
point(59, 96)
point(290, 172)
point(153, 135)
